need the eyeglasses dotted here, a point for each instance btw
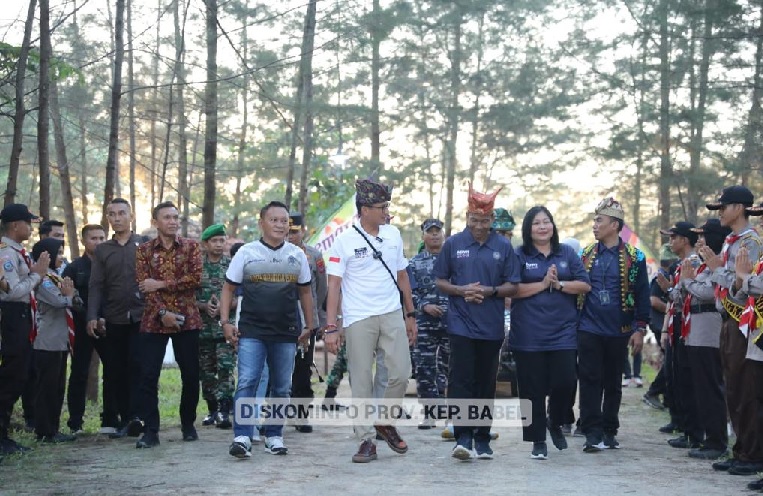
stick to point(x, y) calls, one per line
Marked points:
point(384, 207)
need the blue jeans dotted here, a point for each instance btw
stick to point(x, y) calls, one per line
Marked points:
point(253, 355)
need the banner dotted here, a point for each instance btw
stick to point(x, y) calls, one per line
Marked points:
point(339, 221)
point(630, 237)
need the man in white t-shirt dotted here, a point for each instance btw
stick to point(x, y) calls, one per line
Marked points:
point(367, 264)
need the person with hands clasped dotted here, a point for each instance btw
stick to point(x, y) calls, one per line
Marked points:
point(544, 327)
point(274, 276)
point(52, 342)
point(477, 269)
point(738, 372)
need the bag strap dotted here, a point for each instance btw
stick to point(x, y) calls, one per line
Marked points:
point(377, 255)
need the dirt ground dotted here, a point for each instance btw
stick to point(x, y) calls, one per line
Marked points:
point(320, 463)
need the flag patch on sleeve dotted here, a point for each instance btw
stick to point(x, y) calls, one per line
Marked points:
point(334, 259)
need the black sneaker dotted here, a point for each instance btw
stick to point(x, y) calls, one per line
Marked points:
point(668, 428)
point(567, 429)
point(610, 441)
point(557, 437)
point(540, 451)
point(593, 445)
point(724, 465)
point(11, 447)
point(190, 434)
point(134, 427)
point(653, 400)
point(755, 486)
point(684, 443)
point(745, 468)
point(706, 453)
point(209, 419)
point(304, 428)
point(149, 440)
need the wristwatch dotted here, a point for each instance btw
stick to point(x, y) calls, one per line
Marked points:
point(223, 322)
point(561, 285)
point(410, 314)
point(495, 292)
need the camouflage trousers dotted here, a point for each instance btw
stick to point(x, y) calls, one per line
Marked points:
point(216, 363)
point(339, 369)
point(430, 358)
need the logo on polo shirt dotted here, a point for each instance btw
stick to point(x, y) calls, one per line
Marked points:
point(462, 254)
point(563, 264)
point(496, 255)
point(292, 260)
point(530, 266)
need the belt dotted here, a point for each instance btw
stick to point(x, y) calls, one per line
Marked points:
point(14, 304)
point(703, 308)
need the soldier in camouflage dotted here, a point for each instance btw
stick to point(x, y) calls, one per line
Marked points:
point(216, 357)
point(432, 351)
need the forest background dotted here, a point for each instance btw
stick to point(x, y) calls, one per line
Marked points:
point(223, 105)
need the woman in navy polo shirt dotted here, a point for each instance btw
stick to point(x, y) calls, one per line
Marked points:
point(544, 326)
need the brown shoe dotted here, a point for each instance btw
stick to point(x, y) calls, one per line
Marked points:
point(366, 452)
point(394, 441)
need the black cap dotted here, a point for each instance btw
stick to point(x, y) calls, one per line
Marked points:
point(713, 226)
point(295, 221)
point(732, 194)
point(430, 223)
point(684, 229)
point(17, 211)
point(755, 211)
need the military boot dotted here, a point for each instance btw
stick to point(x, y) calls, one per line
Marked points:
point(222, 419)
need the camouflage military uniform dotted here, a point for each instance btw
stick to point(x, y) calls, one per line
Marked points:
point(216, 357)
point(432, 351)
point(338, 370)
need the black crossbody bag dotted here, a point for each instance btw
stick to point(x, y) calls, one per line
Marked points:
point(378, 256)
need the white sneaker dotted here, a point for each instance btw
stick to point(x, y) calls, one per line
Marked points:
point(256, 439)
point(107, 430)
point(626, 382)
point(448, 433)
point(462, 453)
point(241, 447)
point(274, 446)
point(638, 381)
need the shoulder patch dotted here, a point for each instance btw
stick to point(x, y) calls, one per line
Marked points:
point(8, 266)
point(48, 283)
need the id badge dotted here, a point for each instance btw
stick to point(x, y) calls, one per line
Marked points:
point(604, 297)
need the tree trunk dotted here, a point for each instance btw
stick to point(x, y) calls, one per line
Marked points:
point(116, 95)
point(375, 84)
point(308, 42)
point(477, 93)
point(83, 167)
point(131, 108)
point(244, 127)
point(63, 171)
point(155, 102)
point(295, 130)
point(693, 193)
point(20, 113)
point(453, 114)
point(183, 190)
point(43, 119)
point(666, 170)
point(210, 110)
point(751, 153)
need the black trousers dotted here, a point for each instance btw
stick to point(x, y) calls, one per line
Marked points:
point(301, 389)
point(684, 393)
point(50, 372)
point(15, 354)
point(151, 348)
point(541, 374)
point(121, 373)
point(29, 394)
point(77, 390)
point(710, 402)
point(600, 370)
point(472, 374)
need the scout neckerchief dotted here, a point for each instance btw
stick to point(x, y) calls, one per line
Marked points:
point(57, 280)
point(722, 293)
point(628, 256)
point(748, 322)
point(32, 299)
point(686, 323)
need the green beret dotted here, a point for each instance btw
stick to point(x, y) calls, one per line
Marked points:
point(212, 231)
point(504, 221)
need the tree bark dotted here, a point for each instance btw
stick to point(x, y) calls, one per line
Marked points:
point(155, 102)
point(131, 108)
point(183, 190)
point(63, 171)
point(20, 112)
point(477, 93)
point(116, 96)
point(751, 153)
point(666, 169)
point(210, 110)
point(453, 114)
point(43, 119)
point(244, 128)
point(308, 42)
point(375, 85)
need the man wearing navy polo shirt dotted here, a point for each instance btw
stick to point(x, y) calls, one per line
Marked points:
point(613, 315)
point(477, 269)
